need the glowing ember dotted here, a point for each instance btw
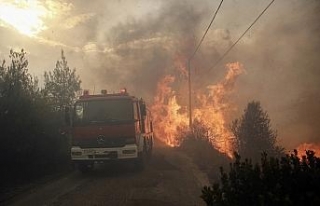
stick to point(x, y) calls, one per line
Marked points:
point(308, 146)
point(212, 106)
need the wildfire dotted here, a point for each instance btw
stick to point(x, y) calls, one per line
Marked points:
point(308, 146)
point(167, 113)
point(213, 107)
point(210, 110)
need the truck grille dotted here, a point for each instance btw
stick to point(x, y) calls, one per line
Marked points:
point(101, 142)
point(110, 155)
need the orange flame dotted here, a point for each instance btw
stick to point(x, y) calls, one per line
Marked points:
point(166, 113)
point(212, 106)
point(302, 148)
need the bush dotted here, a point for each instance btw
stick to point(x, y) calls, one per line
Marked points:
point(200, 149)
point(286, 181)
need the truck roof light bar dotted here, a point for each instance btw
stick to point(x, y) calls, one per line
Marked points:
point(85, 92)
point(104, 91)
point(123, 91)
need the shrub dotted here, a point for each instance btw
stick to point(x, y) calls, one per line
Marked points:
point(198, 146)
point(285, 181)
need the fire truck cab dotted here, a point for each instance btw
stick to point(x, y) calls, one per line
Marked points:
point(110, 127)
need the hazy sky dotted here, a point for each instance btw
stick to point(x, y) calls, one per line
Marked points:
point(134, 43)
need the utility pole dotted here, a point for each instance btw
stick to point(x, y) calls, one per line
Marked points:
point(188, 65)
point(189, 85)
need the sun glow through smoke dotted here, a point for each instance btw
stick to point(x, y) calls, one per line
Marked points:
point(24, 16)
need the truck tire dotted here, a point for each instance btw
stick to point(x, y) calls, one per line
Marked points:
point(149, 153)
point(140, 161)
point(142, 158)
point(85, 168)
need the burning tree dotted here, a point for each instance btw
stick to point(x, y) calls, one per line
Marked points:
point(254, 134)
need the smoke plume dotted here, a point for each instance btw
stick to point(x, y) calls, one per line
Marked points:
point(135, 44)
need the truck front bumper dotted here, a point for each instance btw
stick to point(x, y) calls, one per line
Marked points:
point(104, 154)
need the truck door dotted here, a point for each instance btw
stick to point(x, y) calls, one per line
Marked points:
point(137, 117)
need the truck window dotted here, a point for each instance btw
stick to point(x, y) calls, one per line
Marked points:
point(98, 111)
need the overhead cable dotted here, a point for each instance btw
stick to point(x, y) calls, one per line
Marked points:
point(233, 45)
point(205, 33)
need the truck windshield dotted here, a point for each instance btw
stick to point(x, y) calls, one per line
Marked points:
point(103, 111)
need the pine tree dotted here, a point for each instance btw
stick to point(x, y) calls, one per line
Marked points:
point(61, 85)
point(14, 78)
point(254, 134)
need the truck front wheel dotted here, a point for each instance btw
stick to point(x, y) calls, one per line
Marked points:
point(150, 149)
point(140, 162)
point(85, 167)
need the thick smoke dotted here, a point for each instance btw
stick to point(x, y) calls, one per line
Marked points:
point(282, 62)
point(143, 51)
point(134, 44)
point(280, 56)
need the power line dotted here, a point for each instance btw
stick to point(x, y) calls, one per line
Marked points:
point(233, 45)
point(205, 33)
point(188, 65)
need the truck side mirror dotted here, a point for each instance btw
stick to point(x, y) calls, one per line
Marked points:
point(151, 126)
point(67, 118)
point(143, 108)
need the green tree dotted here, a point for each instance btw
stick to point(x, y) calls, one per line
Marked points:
point(61, 85)
point(15, 79)
point(31, 144)
point(254, 134)
point(18, 114)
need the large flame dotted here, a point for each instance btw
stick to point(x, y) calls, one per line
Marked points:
point(166, 112)
point(302, 148)
point(211, 107)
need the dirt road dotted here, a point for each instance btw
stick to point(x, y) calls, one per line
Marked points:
point(170, 178)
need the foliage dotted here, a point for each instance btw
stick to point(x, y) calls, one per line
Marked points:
point(16, 106)
point(61, 85)
point(254, 134)
point(285, 181)
point(15, 80)
point(30, 140)
point(198, 146)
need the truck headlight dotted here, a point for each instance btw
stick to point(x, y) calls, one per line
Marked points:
point(129, 151)
point(76, 153)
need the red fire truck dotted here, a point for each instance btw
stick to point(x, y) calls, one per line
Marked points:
point(107, 127)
